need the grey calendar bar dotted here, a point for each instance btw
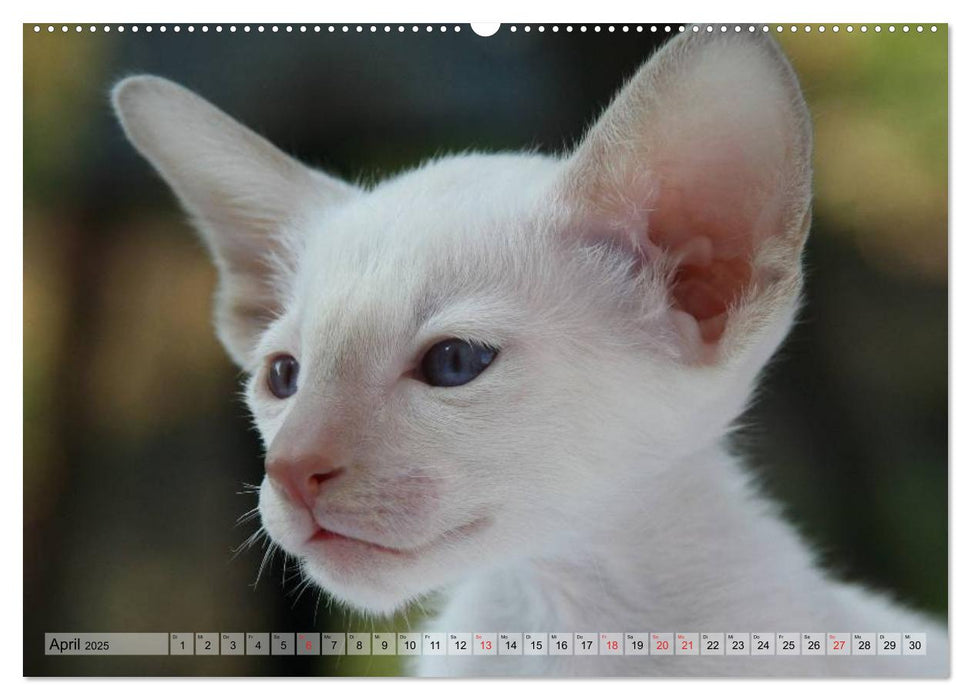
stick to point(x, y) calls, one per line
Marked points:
point(681, 644)
point(106, 644)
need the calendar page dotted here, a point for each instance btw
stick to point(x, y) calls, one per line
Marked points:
point(459, 350)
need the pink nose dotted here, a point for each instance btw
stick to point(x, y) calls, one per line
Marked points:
point(301, 478)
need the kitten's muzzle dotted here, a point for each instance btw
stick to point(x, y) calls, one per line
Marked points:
point(302, 478)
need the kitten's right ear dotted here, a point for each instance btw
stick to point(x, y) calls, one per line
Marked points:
point(240, 190)
point(701, 167)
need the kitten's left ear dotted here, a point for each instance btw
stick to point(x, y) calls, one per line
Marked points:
point(702, 166)
point(243, 194)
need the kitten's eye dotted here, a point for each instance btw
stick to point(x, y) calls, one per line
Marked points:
point(454, 362)
point(282, 378)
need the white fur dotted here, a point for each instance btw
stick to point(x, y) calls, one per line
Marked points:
point(583, 482)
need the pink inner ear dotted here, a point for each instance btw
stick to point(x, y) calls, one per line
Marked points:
point(709, 216)
point(707, 292)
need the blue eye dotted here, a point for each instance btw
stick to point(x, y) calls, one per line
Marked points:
point(454, 362)
point(282, 377)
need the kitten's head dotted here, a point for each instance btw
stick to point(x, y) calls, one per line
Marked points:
point(473, 362)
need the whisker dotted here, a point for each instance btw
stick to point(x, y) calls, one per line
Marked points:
point(304, 585)
point(320, 594)
point(294, 574)
point(249, 515)
point(248, 489)
point(269, 550)
point(249, 542)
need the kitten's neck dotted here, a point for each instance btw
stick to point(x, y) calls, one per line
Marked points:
point(703, 553)
point(699, 548)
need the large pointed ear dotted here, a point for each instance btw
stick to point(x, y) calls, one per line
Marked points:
point(702, 165)
point(242, 192)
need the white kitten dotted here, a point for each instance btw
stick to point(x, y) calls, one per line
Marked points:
point(510, 377)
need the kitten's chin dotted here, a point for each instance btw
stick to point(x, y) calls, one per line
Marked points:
point(367, 573)
point(366, 589)
point(379, 579)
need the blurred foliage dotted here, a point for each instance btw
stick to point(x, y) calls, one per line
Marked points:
point(879, 104)
point(136, 446)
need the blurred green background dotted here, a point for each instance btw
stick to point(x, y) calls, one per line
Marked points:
point(137, 449)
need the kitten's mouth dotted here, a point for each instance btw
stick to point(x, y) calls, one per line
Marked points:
point(322, 538)
point(325, 535)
